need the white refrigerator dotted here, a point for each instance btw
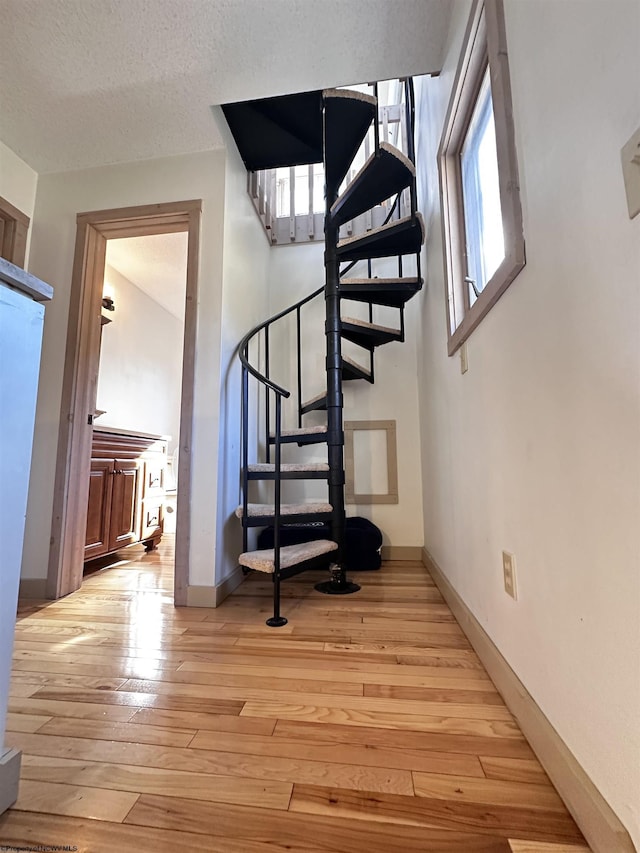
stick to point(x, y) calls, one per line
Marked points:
point(22, 298)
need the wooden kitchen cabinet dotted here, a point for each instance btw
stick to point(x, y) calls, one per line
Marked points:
point(126, 491)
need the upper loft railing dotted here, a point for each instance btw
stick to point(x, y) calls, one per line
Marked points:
point(290, 200)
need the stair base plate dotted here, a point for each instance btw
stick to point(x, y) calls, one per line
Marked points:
point(333, 588)
point(276, 622)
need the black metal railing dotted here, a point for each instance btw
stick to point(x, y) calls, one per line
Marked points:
point(264, 379)
point(271, 390)
point(394, 210)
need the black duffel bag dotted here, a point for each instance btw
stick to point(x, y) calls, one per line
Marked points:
point(363, 541)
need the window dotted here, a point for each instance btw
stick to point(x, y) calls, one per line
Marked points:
point(482, 216)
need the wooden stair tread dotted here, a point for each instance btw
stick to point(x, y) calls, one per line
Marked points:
point(348, 116)
point(288, 471)
point(305, 435)
point(287, 467)
point(400, 237)
point(365, 324)
point(381, 281)
point(352, 370)
point(349, 95)
point(390, 292)
point(317, 403)
point(290, 555)
point(268, 510)
point(385, 173)
point(366, 334)
point(316, 430)
point(317, 398)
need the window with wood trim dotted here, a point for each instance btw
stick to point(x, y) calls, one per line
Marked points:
point(14, 227)
point(481, 211)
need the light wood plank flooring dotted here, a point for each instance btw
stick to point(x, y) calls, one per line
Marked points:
point(366, 724)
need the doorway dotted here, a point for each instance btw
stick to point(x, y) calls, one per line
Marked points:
point(80, 383)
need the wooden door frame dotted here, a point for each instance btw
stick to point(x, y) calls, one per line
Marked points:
point(73, 460)
point(14, 228)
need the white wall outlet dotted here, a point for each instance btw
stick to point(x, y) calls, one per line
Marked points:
point(509, 571)
point(464, 359)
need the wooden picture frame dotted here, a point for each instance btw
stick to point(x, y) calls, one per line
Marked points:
point(391, 495)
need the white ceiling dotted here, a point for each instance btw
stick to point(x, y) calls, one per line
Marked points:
point(91, 82)
point(156, 264)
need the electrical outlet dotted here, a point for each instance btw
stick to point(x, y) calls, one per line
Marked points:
point(509, 570)
point(464, 360)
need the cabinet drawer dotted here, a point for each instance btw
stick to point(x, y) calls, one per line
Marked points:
point(154, 477)
point(152, 518)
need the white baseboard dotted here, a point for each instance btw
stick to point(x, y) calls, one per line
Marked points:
point(9, 778)
point(233, 581)
point(401, 552)
point(213, 596)
point(201, 596)
point(33, 588)
point(599, 824)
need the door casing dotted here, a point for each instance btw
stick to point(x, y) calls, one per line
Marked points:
point(82, 358)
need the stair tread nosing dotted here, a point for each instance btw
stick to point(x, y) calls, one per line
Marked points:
point(384, 174)
point(290, 555)
point(317, 399)
point(399, 237)
point(348, 116)
point(287, 467)
point(356, 371)
point(266, 510)
point(382, 281)
point(349, 362)
point(365, 324)
point(349, 95)
point(316, 430)
point(381, 229)
point(390, 292)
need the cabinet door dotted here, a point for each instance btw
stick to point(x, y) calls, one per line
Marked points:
point(125, 517)
point(99, 508)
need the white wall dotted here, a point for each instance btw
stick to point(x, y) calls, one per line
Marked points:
point(140, 376)
point(59, 198)
point(246, 258)
point(536, 449)
point(295, 272)
point(18, 184)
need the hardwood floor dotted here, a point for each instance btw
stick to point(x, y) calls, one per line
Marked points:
point(366, 724)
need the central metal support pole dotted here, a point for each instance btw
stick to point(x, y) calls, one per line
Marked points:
point(338, 585)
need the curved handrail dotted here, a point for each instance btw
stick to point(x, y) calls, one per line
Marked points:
point(243, 347)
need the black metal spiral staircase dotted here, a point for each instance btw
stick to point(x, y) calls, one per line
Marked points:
point(290, 129)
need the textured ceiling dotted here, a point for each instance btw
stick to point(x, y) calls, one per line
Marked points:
point(92, 82)
point(156, 264)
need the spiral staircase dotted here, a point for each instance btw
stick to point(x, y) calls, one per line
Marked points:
point(288, 131)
